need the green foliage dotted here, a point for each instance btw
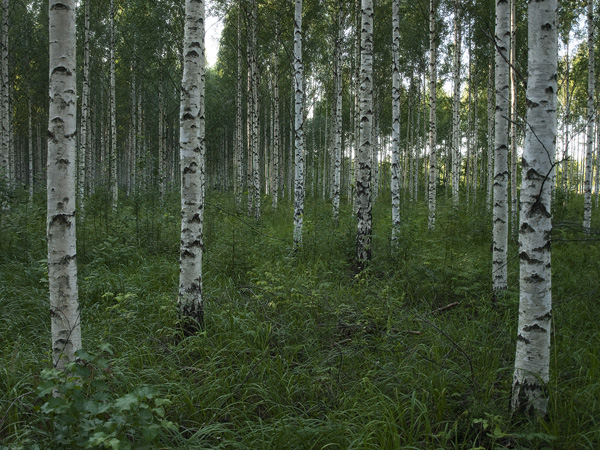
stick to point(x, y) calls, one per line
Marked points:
point(80, 410)
point(298, 350)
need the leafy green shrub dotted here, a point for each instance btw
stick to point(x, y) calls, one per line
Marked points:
point(81, 411)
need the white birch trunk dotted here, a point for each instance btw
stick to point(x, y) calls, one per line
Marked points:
point(363, 180)
point(500, 191)
point(30, 150)
point(490, 140)
point(395, 181)
point(514, 208)
point(114, 186)
point(61, 193)
point(5, 93)
point(239, 134)
point(276, 137)
point(532, 359)
point(85, 112)
point(298, 127)
point(337, 134)
point(587, 193)
point(456, 107)
point(432, 117)
point(191, 147)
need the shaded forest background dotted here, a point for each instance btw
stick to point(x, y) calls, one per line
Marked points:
point(299, 351)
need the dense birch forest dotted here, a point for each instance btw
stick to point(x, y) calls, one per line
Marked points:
point(367, 224)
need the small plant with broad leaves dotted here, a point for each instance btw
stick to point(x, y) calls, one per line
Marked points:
point(81, 411)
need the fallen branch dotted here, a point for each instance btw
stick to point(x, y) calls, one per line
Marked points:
point(445, 308)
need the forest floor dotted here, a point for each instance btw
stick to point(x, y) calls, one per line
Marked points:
point(298, 351)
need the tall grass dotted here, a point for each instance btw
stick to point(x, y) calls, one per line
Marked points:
point(299, 351)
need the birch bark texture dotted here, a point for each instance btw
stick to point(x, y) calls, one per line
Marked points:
point(587, 192)
point(85, 111)
point(4, 100)
point(395, 181)
point(500, 190)
point(192, 153)
point(535, 306)
point(298, 127)
point(456, 166)
point(337, 121)
point(363, 180)
point(432, 117)
point(61, 194)
point(513, 121)
point(114, 186)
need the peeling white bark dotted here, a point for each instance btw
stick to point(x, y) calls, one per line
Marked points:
point(395, 181)
point(298, 127)
point(532, 359)
point(61, 194)
point(432, 117)
point(192, 153)
point(500, 191)
point(363, 180)
point(587, 195)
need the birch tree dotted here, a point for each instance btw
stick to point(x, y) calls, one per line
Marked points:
point(456, 105)
point(513, 120)
point(363, 180)
point(535, 304)
point(298, 127)
point(4, 91)
point(61, 194)
point(337, 121)
point(432, 117)
point(192, 151)
point(500, 191)
point(85, 112)
point(395, 181)
point(587, 208)
point(114, 187)
point(276, 133)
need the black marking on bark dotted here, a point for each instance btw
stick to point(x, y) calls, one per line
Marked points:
point(535, 327)
point(61, 70)
point(522, 338)
point(545, 317)
point(535, 278)
point(59, 7)
point(523, 256)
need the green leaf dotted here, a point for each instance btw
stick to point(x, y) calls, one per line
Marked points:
point(126, 402)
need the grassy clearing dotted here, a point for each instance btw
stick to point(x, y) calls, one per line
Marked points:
point(298, 351)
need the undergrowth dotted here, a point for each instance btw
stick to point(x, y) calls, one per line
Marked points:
point(298, 351)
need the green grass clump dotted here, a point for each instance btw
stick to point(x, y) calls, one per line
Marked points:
point(298, 350)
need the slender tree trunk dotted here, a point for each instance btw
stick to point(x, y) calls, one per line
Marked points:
point(192, 153)
point(114, 184)
point(337, 136)
point(239, 134)
point(5, 96)
point(363, 181)
point(85, 113)
point(587, 211)
point(255, 111)
point(276, 107)
point(532, 361)
point(298, 127)
point(500, 222)
point(456, 106)
point(62, 127)
point(30, 150)
point(514, 208)
point(395, 181)
point(490, 140)
point(161, 140)
point(432, 117)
